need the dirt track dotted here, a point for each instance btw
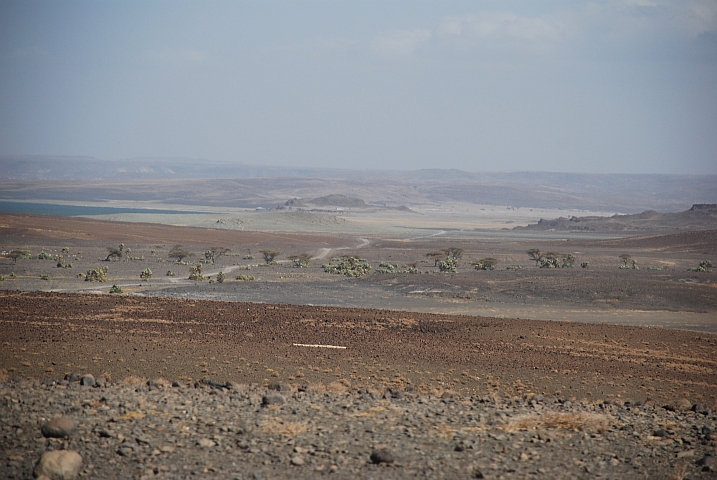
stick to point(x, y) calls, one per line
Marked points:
point(48, 335)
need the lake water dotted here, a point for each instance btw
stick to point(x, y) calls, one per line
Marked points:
point(76, 210)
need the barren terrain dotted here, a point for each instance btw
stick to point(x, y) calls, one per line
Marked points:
point(508, 373)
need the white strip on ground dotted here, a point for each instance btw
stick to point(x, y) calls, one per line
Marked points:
point(316, 346)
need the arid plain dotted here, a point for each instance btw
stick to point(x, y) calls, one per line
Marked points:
point(596, 334)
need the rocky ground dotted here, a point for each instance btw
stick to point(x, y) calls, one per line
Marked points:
point(138, 429)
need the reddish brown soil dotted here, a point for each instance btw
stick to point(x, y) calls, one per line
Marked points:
point(49, 335)
point(64, 228)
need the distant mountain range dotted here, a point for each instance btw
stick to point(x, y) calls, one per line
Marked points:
point(194, 182)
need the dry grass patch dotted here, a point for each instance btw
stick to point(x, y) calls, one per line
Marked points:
point(560, 421)
point(134, 380)
point(276, 425)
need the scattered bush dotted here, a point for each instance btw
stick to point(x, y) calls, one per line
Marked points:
point(349, 266)
point(300, 261)
point(386, 267)
point(705, 266)
point(146, 274)
point(171, 273)
point(248, 257)
point(245, 278)
point(513, 267)
point(656, 268)
point(220, 277)
point(45, 276)
point(44, 256)
point(97, 275)
point(2, 278)
point(195, 272)
point(584, 264)
point(65, 250)
point(487, 263)
point(12, 275)
point(449, 265)
point(61, 263)
point(116, 289)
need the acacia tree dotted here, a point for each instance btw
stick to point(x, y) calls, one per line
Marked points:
point(436, 256)
point(215, 252)
point(534, 254)
point(179, 253)
point(115, 252)
point(453, 252)
point(625, 257)
point(270, 255)
point(15, 254)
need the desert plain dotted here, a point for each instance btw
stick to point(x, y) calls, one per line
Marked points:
point(286, 370)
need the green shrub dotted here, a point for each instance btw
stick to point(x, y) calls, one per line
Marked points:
point(195, 272)
point(220, 277)
point(245, 278)
point(449, 265)
point(146, 274)
point(349, 266)
point(116, 289)
point(45, 276)
point(44, 256)
point(487, 263)
point(97, 274)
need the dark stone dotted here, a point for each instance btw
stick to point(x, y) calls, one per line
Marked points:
point(708, 463)
point(382, 456)
point(478, 474)
point(274, 399)
point(303, 388)
point(661, 433)
point(73, 377)
point(152, 384)
point(88, 381)
point(176, 384)
point(213, 384)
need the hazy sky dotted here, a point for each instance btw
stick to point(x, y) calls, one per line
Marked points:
point(600, 86)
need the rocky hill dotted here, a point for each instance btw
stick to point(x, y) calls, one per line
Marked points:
point(701, 216)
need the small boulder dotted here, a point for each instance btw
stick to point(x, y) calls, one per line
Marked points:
point(88, 380)
point(708, 463)
point(275, 399)
point(59, 427)
point(59, 465)
point(382, 456)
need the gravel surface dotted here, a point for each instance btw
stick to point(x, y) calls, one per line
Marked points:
point(151, 429)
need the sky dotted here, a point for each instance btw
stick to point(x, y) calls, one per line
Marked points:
point(617, 86)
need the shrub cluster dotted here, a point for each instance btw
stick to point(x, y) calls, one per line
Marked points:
point(349, 266)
